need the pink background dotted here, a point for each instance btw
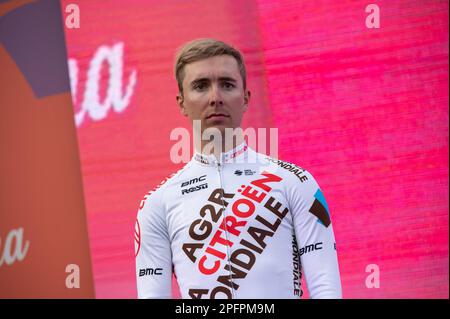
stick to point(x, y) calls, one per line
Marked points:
point(364, 110)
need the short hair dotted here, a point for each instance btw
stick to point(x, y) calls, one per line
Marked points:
point(200, 49)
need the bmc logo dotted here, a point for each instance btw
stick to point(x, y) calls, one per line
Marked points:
point(194, 181)
point(150, 271)
point(310, 248)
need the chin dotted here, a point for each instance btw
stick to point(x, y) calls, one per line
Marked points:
point(219, 127)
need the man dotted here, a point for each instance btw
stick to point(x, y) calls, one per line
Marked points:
point(232, 223)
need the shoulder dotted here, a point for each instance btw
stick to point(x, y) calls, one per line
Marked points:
point(301, 187)
point(155, 196)
point(290, 172)
point(299, 184)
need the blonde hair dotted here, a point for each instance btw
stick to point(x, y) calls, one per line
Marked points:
point(200, 49)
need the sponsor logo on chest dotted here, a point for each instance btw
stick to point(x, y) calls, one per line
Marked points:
point(193, 185)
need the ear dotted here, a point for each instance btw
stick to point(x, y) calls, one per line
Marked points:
point(180, 101)
point(247, 95)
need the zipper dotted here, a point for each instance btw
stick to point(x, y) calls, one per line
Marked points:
point(226, 232)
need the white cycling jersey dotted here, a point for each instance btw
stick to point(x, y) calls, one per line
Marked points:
point(243, 226)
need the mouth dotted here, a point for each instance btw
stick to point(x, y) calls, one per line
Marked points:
point(217, 116)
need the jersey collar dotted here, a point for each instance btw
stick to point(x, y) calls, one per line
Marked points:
point(239, 152)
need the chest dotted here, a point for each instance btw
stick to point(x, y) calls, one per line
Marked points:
point(219, 209)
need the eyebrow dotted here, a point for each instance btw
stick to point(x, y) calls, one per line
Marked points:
point(222, 78)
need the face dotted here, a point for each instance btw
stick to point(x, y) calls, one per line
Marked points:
point(213, 93)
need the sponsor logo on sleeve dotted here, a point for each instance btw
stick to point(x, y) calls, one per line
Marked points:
point(150, 272)
point(296, 170)
point(320, 209)
point(310, 248)
point(137, 238)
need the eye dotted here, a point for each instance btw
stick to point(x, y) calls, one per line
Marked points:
point(228, 85)
point(199, 86)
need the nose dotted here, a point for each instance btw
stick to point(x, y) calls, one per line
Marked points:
point(215, 96)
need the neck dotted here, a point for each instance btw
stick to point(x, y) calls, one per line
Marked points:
point(217, 143)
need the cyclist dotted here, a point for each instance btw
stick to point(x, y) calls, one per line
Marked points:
point(232, 223)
